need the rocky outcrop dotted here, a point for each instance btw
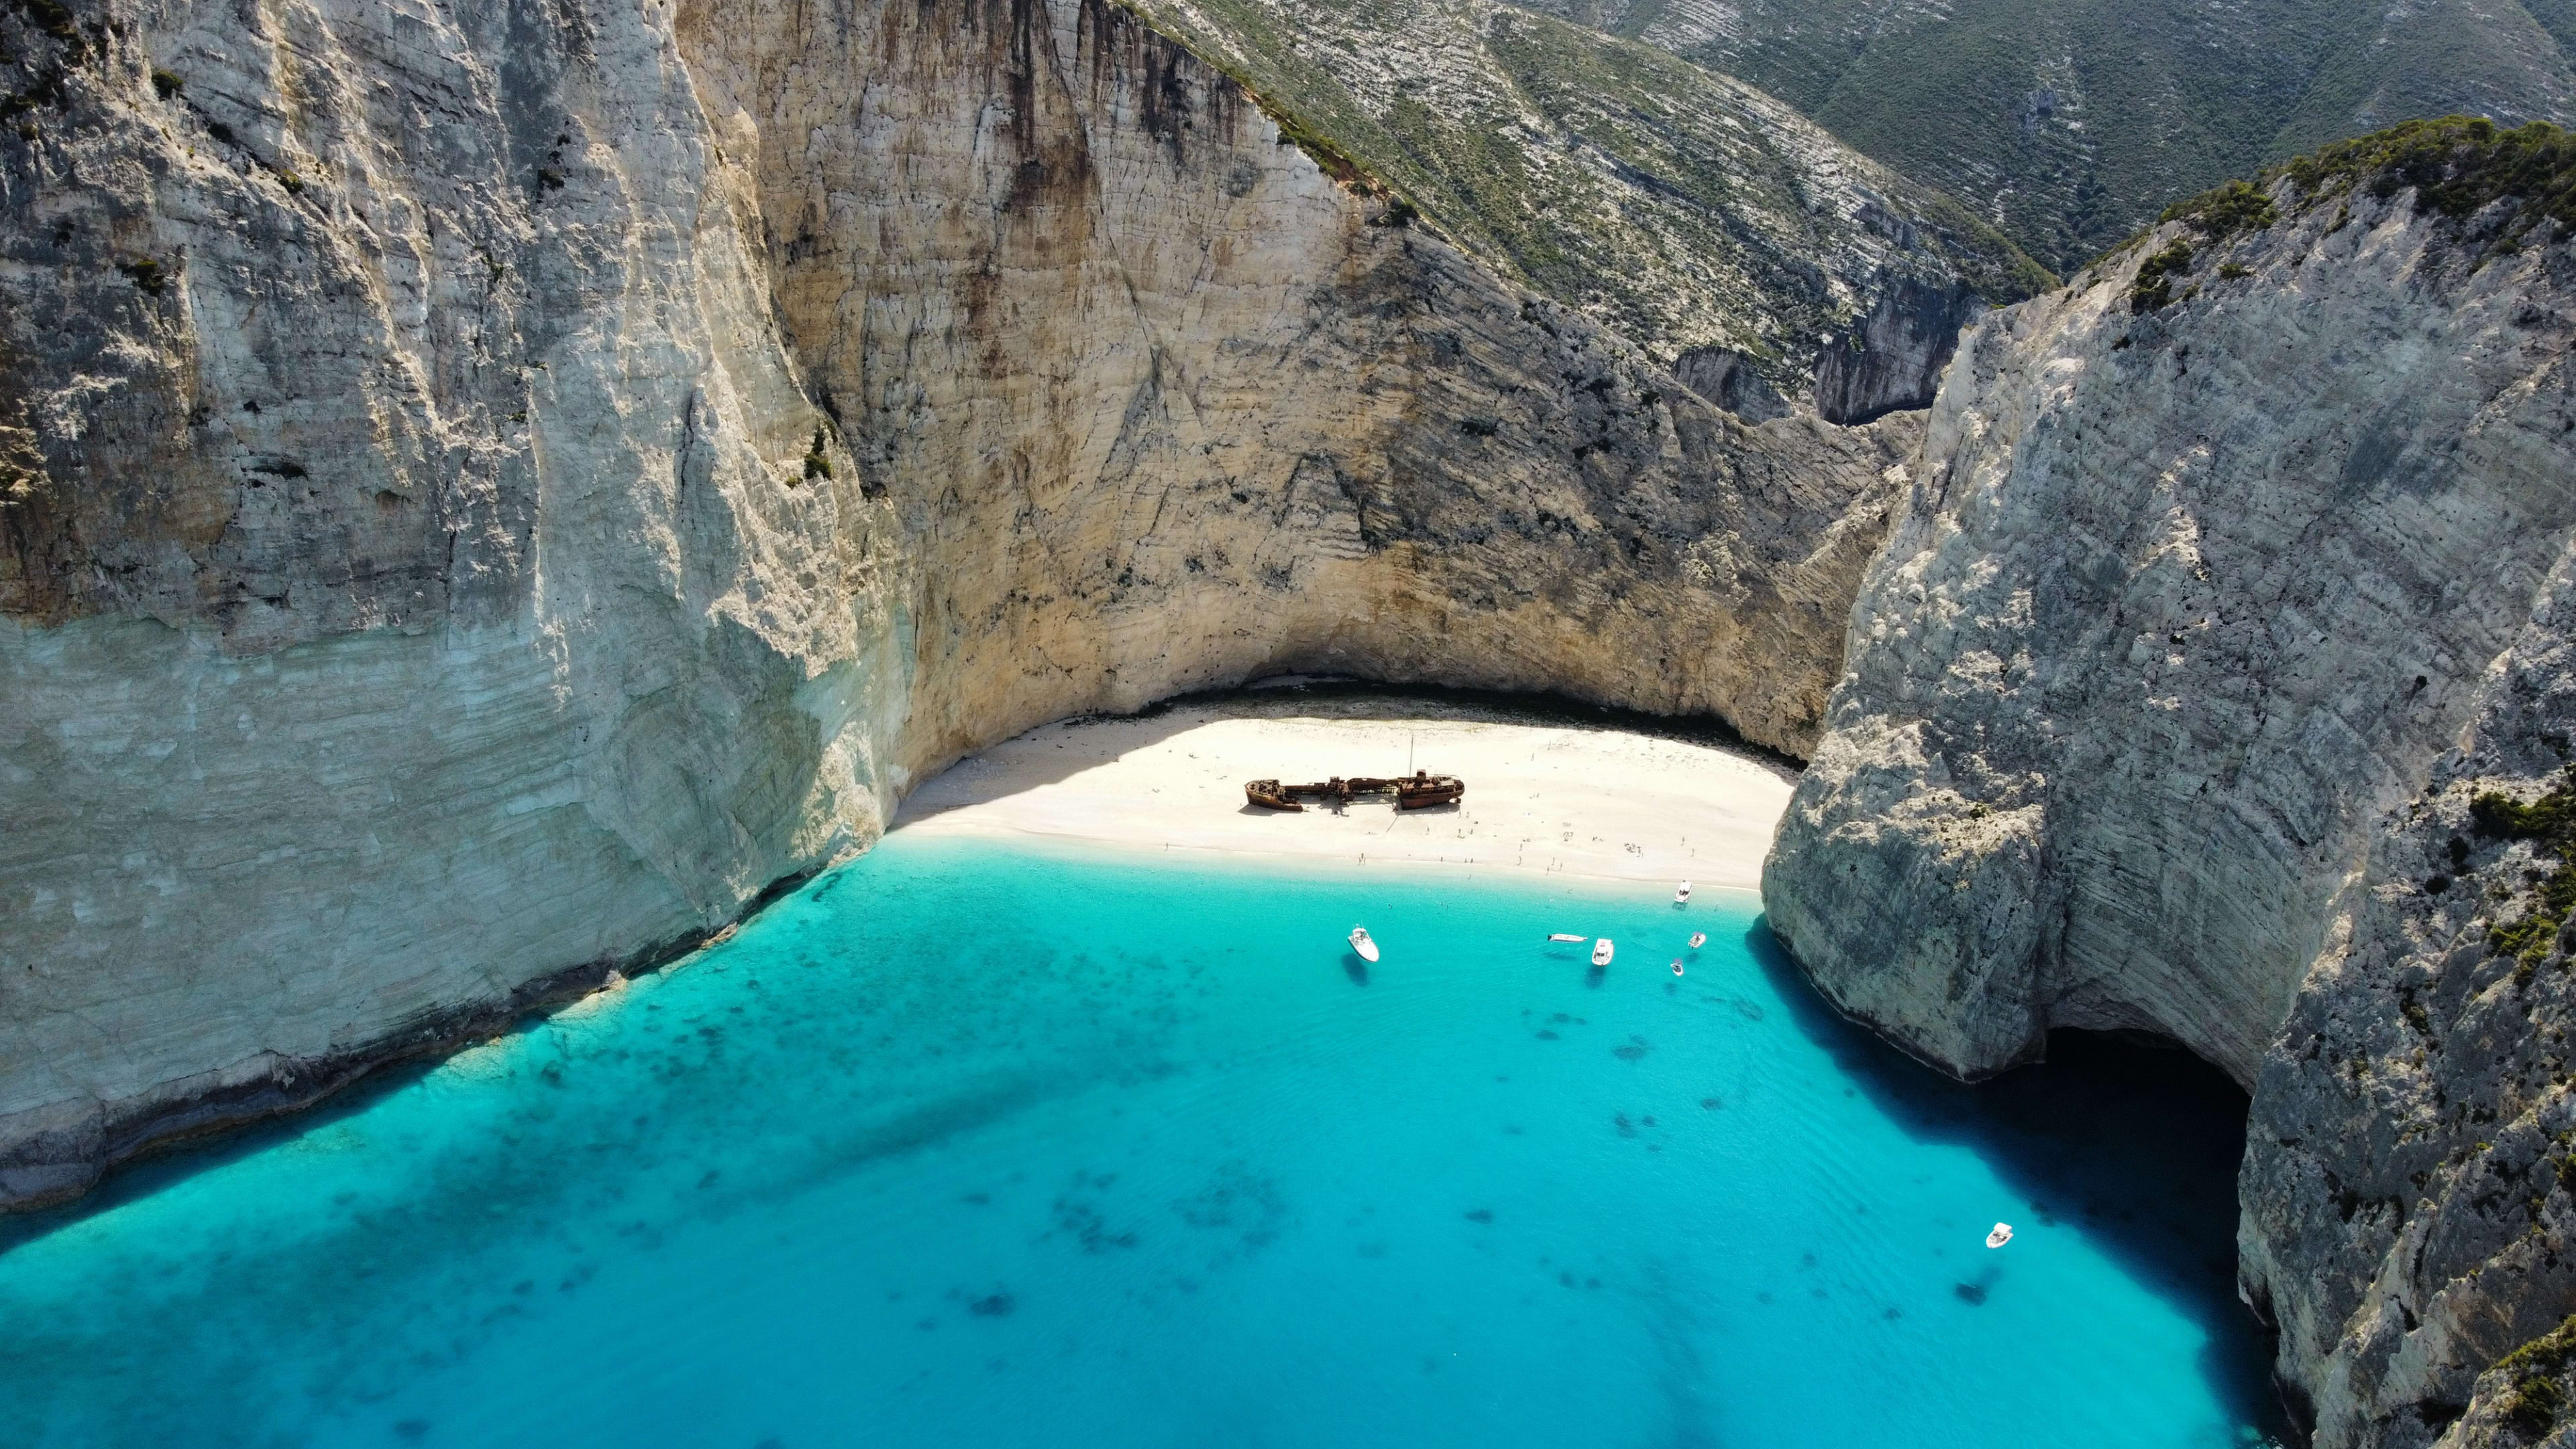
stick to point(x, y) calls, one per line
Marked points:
point(491, 488)
point(2227, 580)
point(2409, 1189)
point(2525, 1398)
point(1894, 356)
point(1727, 378)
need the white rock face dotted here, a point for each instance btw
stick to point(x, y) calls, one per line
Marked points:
point(2194, 636)
point(486, 494)
point(416, 595)
point(2408, 1184)
point(2176, 606)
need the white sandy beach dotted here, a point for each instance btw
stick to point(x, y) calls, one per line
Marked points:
point(1540, 797)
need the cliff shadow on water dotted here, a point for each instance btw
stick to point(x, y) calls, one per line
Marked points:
point(174, 1161)
point(2136, 1144)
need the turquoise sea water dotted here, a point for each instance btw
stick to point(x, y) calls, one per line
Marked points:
point(967, 1145)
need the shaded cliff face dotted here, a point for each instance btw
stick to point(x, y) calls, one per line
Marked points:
point(493, 487)
point(2227, 580)
point(1894, 355)
point(2408, 1186)
point(1162, 406)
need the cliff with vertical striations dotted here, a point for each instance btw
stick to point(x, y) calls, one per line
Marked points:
point(2226, 582)
point(491, 488)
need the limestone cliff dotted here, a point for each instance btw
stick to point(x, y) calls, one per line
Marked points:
point(491, 487)
point(2408, 1185)
point(2225, 579)
point(1161, 406)
point(414, 584)
point(2179, 601)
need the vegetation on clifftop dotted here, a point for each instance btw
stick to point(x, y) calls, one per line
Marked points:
point(1679, 208)
point(2238, 206)
point(2071, 123)
point(2456, 167)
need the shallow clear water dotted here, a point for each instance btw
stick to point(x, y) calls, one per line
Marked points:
point(964, 1145)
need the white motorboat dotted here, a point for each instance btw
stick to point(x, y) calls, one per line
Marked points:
point(1677, 965)
point(1563, 936)
point(1601, 952)
point(2000, 1236)
point(1361, 943)
point(1682, 897)
point(1698, 939)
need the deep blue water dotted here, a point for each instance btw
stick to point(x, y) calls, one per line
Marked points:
point(965, 1145)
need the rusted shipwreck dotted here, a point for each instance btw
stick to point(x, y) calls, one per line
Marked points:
point(1417, 791)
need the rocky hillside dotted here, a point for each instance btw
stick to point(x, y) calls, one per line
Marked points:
point(490, 490)
point(1694, 215)
point(2070, 123)
point(2210, 686)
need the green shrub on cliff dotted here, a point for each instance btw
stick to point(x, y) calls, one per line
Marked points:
point(2458, 166)
point(2238, 206)
point(2551, 816)
point(2534, 1399)
point(2550, 821)
point(2153, 287)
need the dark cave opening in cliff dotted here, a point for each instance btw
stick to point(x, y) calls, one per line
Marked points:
point(2135, 1142)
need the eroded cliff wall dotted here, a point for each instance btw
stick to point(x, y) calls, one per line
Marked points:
point(2408, 1185)
point(493, 486)
point(2179, 602)
point(1161, 405)
point(2226, 580)
point(413, 589)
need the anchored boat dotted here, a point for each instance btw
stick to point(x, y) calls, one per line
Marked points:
point(1601, 950)
point(1361, 943)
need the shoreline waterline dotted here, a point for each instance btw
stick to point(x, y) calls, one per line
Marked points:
point(209, 1123)
point(967, 1145)
point(1545, 798)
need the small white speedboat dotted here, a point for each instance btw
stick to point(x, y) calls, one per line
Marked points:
point(1563, 936)
point(1361, 943)
point(1698, 939)
point(1677, 965)
point(1601, 952)
point(1682, 897)
point(2000, 1236)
